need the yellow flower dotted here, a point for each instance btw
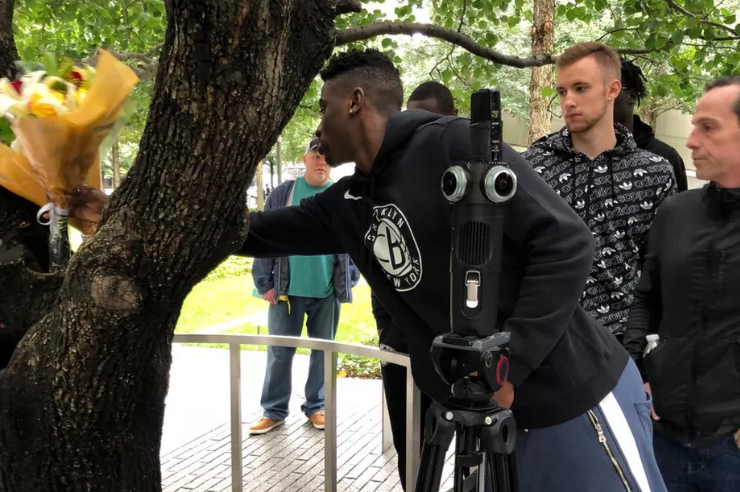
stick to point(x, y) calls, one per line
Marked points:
point(45, 105)
point(41, 109)
point(81, 95)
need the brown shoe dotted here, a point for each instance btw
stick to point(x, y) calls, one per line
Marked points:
point(264, 425)
point(317, 419)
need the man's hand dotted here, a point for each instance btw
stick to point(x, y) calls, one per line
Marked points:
point(88, 203)
point(652, 409)
point(737, 438)
point(270, 296)
point(504, 397)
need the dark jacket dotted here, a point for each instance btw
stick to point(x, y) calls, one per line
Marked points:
point(689, 294)
point(616, 195)
point(645, 139)
point(396, 225)
point(274, 273)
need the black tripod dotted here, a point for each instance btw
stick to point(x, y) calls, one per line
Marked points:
point(485, 433)
point(474, 357)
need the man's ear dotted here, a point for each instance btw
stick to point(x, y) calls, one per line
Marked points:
point(357, 100)
point(613, 89)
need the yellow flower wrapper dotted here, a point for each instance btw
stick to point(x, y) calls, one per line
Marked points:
point(60, 152)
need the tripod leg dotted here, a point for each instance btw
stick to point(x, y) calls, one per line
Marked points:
point(504, 476)
point(437, 438)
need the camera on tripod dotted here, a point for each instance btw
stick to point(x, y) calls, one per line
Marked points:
point(477, 190)
point(474, 357)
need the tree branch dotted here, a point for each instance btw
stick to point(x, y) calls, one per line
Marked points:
point(462, 16)
point(674, 6)
point(145, 64)
point(347, 6)
point(409, 29)
point(616, 30)
point(368, 31)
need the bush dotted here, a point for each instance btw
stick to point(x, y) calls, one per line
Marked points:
point(233, 266)
point(355, 366)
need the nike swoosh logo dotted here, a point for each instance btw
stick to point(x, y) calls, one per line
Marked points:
point(347, 196)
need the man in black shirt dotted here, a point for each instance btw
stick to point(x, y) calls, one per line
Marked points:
point(633, 91)
point(689, 296)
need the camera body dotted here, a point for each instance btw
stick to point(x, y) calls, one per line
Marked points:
point(478, 190)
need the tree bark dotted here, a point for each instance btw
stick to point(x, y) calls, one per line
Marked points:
point(543, 42)
point(24, 291)
point(82, 401)
point(8, 51)
point(116, 163)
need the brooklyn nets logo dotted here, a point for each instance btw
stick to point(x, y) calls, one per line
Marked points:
point(392, 242)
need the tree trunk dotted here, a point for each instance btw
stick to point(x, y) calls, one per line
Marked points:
point(116, 161)
point(24, 291)
point(82, 401)
point(260, 187)
point(8, 51)
point(543, 42)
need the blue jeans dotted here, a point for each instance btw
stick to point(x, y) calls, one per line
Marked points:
point(713, 469)
point(286, 319)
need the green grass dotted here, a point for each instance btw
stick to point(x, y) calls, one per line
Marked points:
point(215, 301)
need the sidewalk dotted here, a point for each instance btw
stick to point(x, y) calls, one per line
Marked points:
point(196, 441)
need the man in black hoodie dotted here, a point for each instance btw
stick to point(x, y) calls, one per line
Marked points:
point(436, 98)
point(579, 404)
point(633, 91)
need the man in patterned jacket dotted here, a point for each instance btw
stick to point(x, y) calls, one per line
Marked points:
point(597, 168)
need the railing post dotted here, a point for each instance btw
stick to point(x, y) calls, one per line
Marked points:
point(387, 431)
point(413, 430)
point(330, 414)
point(235, 369)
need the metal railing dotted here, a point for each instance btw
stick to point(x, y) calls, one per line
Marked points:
point(330, 349)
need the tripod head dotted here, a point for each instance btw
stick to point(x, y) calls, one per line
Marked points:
point(473, 358)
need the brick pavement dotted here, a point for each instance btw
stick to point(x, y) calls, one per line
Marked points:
point(291, 458)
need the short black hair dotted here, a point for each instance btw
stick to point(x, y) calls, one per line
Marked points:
point(633, 79)
point(726, 82)
point(371, 70)
point(438, 92)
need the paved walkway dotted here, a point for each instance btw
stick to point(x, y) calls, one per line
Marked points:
point(196, 440)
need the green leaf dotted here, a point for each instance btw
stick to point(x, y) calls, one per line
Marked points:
point(571, 15)
point(6, 133)
point(447, 75)
point(50, 63)
point(677, 37)
point(547, 92)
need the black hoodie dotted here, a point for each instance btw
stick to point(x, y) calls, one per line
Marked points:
point(395, 224)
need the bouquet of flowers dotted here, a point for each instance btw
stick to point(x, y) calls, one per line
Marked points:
point(59, 117)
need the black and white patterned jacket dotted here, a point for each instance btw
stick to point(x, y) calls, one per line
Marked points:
point(617, 195)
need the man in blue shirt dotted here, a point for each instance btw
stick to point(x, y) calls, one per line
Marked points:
point(299, 287)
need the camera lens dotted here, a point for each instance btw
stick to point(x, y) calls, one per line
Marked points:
point(499, 184)
point(455, 183)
